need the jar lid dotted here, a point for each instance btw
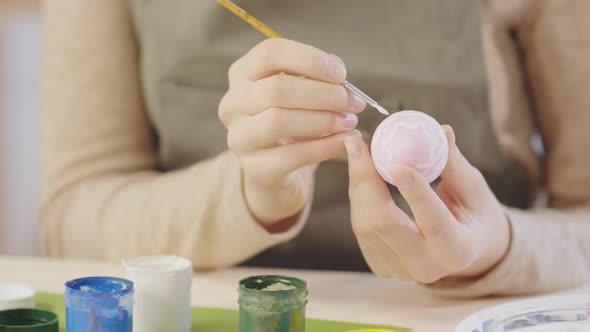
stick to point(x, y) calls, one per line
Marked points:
point(165, 265)
point(272, 283)
point(99, 292)
point(272, 293)
point(16, 296)
point(28, 320)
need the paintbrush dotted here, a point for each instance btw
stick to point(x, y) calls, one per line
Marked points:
point(268, 32)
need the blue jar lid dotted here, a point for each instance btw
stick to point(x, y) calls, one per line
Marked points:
point(89, 292)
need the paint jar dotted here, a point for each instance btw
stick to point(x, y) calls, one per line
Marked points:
point(272, 303)
point(28, 320)
point(16, 296)
point(162, 293)
point(99, 304)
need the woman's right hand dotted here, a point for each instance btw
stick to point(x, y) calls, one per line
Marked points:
point(282, 125)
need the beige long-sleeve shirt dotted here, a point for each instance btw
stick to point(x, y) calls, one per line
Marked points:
point(103, 196)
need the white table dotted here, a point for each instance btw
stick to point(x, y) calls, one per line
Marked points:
point(343, 296)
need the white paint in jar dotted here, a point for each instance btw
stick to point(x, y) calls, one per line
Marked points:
point(162, 293)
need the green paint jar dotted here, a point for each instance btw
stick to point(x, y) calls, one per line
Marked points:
point(28, 320)
point(272, 303)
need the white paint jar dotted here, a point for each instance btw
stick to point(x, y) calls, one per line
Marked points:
point(162, 293)
point(16, 296)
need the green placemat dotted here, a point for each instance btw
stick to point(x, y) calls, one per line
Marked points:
point(209, 319)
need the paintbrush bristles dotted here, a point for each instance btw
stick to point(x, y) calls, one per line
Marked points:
point(382, 110)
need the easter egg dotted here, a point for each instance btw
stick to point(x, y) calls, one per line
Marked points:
point(413, 139)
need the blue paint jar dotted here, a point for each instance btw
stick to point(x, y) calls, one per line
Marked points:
point(99, 304)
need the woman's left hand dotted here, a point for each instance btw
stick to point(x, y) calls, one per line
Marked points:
point(460, 230)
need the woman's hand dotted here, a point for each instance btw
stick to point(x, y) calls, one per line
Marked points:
point(460, 230)
point(282, 125)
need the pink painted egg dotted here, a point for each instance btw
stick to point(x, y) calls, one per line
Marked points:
point(412, 139)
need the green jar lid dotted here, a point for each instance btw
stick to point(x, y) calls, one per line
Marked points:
point(28, 320)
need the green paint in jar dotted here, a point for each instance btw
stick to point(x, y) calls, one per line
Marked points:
point(272, 303)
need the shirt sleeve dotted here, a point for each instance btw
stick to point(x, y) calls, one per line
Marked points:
point(550, 246)
point(101, 195)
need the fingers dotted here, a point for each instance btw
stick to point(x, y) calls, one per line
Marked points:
point(415, 264)
point(275, 163)
point(391, 242)
point(285, 91)
point(432, 216)
point(382, 261)
point(372, 209)
point(450, 133)
point(274, 56)
point(265, 129)
point(459, 177)
point(365, 184)
point(297, 92)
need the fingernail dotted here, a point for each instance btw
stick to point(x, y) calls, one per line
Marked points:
point(346, 121)
point(450, 133)
point(355, 102)
point(353, 148)
point(402, 178)
point(337, 69)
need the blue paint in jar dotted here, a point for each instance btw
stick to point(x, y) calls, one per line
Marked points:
point(99, 304)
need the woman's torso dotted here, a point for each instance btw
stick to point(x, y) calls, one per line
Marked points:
point(420, 54)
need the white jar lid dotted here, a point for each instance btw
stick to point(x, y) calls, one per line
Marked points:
point(164, 264)
point(16, 296)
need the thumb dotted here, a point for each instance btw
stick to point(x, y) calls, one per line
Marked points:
point(365, 184)
point(459, 175)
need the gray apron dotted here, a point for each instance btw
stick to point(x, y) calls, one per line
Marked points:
point(407, 54)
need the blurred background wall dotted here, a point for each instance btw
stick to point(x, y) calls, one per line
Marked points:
point(20, 36)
